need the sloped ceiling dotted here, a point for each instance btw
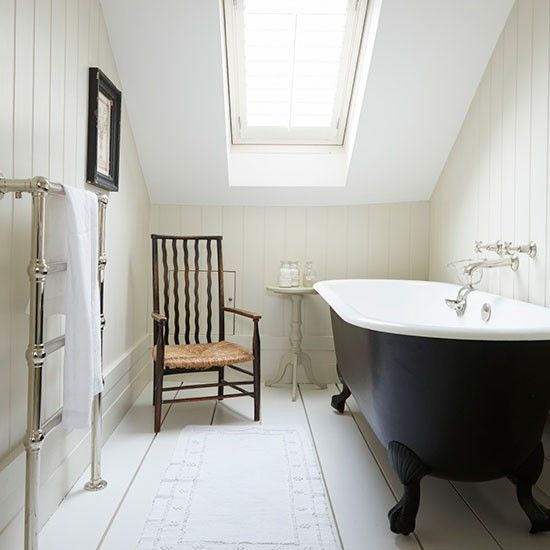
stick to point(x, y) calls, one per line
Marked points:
point(429, 56)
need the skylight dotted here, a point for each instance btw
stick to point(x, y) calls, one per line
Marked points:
point(291, 68)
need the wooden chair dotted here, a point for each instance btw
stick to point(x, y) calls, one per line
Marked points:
point(170, 356)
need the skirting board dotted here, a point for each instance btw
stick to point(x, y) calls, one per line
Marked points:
point(66, 455)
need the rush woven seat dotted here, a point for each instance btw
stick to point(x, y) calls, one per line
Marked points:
point(204, 356)
point(189, 315)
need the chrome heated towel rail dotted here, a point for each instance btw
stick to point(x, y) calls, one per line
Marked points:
point(39, 188)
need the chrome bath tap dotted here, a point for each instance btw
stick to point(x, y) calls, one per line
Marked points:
point(460, 302)
point(511, 261)
point(508, 256)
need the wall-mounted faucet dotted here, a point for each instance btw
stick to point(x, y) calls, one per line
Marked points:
point(511, 261)
point(508, 257)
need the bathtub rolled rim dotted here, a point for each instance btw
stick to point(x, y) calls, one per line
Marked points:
point(451, 327)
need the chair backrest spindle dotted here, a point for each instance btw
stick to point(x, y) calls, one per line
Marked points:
point(196, 289)
point(166, 290)
point(186, 283)
point(221, 327)
point(176, 294)
point(209, 291)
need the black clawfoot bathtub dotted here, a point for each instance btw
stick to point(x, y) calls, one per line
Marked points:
point(456, 398)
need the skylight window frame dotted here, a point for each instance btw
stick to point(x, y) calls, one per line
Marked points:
point(241, 133)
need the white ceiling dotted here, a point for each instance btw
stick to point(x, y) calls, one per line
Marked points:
point(429, 56)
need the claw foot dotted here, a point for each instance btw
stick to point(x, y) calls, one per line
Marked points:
point(524, 478)
point(411, 470)
point(401, 523)
point(338, 401)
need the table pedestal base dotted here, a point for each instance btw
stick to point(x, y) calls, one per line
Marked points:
point(295, 357)
point(294, 360)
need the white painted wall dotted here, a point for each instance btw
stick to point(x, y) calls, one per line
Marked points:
point(47, 47)
point(381, 241)
point(495, 183)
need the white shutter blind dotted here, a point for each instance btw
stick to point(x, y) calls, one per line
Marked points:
point(291, 65)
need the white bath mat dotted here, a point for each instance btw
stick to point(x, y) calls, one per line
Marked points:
point(241, 488)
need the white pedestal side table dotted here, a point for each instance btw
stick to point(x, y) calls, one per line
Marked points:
point(295, 357)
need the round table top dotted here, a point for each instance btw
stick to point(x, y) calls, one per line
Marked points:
point(292, 290)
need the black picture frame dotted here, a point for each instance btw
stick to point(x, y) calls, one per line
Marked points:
point(100, 87)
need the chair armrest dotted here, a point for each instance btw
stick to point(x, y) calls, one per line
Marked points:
point(243, 313)
point(158, 318)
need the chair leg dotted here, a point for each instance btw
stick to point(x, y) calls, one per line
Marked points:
point(257, 390)
point(256, 351)
point(154, 385)
point(158, 396)
point(221, 376)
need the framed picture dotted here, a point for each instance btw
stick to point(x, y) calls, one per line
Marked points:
point(103, 131)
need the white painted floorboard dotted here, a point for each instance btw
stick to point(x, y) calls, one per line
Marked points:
point(91, 513)
point(360, 483)
point(494, 502)
point(127, 525)
point(358, 493)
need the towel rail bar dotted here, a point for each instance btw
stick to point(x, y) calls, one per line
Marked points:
point(52, 422)
point(53, 345)
point(56, 267)
point(37, 350)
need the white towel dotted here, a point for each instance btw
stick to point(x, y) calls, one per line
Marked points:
point(72, 235)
